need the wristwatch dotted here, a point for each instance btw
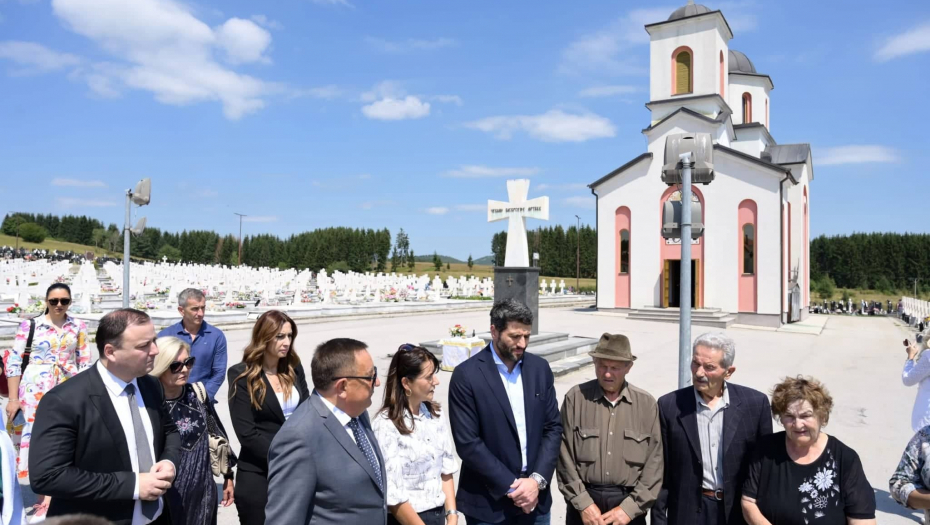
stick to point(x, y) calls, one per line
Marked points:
point(541, 481)
point(451, 512)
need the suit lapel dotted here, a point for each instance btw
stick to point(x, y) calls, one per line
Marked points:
point(687, 416)
point(342, 437)
point(271, 400)
point(493, 377)
point(730, 418)
point(101, 400)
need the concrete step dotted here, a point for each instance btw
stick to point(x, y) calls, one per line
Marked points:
point(567, 348)
point(570, 364)
point(717, 322)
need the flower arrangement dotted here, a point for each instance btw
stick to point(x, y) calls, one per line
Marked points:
point(144, 305)
point(161, 291)
point(457, 331)
point(15, 309)
point(36, 307)
point(60, 279)
point(235, 304)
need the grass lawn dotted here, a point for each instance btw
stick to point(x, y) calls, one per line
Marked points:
point(51, 244)
point(869, 295)
point(486, 271)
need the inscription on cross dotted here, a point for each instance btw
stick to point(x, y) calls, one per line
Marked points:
point(516, 212)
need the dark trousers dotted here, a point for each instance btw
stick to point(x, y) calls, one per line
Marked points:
point(435, 516)
point(251, 495)
point(606, 497)
point(712, 512)
point(526, 519)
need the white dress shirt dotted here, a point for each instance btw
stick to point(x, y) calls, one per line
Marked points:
point(513, 385)
point(116, 387)
point(919, 373)
point(290, 405)
point(341, 416)
point(710, 435)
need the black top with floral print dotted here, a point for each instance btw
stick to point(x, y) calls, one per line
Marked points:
point(825, 492)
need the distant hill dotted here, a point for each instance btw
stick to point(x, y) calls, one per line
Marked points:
point(444, 258)
point(487, 260)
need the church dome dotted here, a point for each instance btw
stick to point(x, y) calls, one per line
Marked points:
point(740, 63)
point(691, 9)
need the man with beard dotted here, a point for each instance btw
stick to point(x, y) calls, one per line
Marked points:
point(708, 434)
point(506, 426)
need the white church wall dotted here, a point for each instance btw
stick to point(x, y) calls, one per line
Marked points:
point(751, 146)
point(755, 86)
point(796, 198)
point(704, 37)
point(680, 124)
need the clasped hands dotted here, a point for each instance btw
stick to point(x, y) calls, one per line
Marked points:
point(154, 483)
point(525, 494)
point(615, 516)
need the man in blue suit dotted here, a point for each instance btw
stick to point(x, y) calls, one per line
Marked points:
point(506, 425)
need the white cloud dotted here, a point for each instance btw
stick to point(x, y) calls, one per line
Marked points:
point(477, 172)
point(409, 45)
point(552, 126)
point(915, 40)
point(437, 210)
point(602, 52)
point(409, 107)
point(471, 207)
point(608, 91)
point(448, 99)
point(36, 58)
point(73, 202)
point(161, 47)
point(259, 218)
point(267, 23)
point(75, 183)
point(855, 154)
point(580, 202)
point(243, 41)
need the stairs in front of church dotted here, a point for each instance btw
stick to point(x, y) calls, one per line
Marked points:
point(712, 317)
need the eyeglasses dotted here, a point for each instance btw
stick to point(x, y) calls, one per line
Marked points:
point(280, 337)
point(54, 302)
point(176, 366)
point(373, 378)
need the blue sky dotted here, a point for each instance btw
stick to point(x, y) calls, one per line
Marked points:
point(412, 114)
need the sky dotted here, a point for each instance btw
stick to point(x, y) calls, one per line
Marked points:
point(306, 114)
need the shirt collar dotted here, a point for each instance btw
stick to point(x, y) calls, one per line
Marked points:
point(624, 394)
point(115, 385)
point(424, 413)
point(204, 329)
point(341, 416)
point(725, 402)
point(500, 364)
point(42, 320)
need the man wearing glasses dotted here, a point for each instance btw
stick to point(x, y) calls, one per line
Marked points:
point(324, 465)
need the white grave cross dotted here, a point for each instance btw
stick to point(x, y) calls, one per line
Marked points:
point(516, 212)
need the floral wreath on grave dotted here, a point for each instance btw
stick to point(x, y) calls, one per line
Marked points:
point(143, 305)
point(60, 279)
point(34, 308)
point(457, 331)
point(235, 304)
point(15, 309)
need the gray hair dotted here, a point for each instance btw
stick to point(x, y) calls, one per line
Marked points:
point(718, 341)
point(189, 293)
point(510, 310)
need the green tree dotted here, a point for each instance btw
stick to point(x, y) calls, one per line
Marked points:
point(411, 263)
point(825, 287)
point(32, 232)
point(471, 262)
point(448, 266)
point(99, 236)
point(170, 252)
point(437, 262)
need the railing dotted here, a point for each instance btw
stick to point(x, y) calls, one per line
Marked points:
point(915, 310)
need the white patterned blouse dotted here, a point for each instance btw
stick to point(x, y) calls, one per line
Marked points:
point(414, 463)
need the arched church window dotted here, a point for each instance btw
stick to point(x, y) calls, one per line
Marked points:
point(749, 249)
point(747, 108)
point(676, 196)
point(682, 61)
point(624, 251)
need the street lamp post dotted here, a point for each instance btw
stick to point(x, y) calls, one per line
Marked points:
point(240, 236)
point(578, 256)
point(141, 196)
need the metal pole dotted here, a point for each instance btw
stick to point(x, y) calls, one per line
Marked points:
point(240, 237)
point(684, 325)
point(126, 250)
point(578, 257)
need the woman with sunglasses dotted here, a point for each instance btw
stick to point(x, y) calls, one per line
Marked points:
point(264, 390)
point(417, 449)
point(59, 351)
point(192, 497)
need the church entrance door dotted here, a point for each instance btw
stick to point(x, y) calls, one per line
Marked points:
point(671, 280)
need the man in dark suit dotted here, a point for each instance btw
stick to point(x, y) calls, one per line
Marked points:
point(325, 465)
point(103, 443)
point(708, 433)
point(506, 426)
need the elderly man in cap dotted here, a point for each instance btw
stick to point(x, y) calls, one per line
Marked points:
point(610, 465)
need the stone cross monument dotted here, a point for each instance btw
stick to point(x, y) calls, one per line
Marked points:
point(517, 279)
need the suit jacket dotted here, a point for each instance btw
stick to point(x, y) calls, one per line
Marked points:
point(79, 454)
point(486, 438)
point(319, 476)
point(748, 417)
point(256, 428)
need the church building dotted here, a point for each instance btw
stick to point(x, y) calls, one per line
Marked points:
point(752, 264)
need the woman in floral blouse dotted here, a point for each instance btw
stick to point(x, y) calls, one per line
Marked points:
point(59, 351)
point(802, 476)
point(910, 483)
point(192, 497)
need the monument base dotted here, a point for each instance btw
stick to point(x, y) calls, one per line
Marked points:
point(520, 283)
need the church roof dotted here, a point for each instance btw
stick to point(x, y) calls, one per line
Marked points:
point(760, 162)
point(740, 63)
point(788, 154)
point(621, 169)
point(721, 117)
point(691, 9)
point(755, 125)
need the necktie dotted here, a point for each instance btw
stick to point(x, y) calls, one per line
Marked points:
point(149, 508)
point(365, 446)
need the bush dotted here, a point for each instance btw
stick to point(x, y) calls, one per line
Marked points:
point(170, 252)
point(32, 232)
point(883, 285)
point(825, 287)
point(341, 266)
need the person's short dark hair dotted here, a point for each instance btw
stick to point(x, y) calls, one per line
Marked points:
point(111, 327)
point(78, 519)
point(332, 359)
point(510, 310)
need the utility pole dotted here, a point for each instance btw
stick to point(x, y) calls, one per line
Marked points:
point(578, 257)
point(240, 236)
point(684, 325)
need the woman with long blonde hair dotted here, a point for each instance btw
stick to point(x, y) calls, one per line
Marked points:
point(264, 390)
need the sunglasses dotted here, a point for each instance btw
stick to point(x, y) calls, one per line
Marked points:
point(54, 302)
point(373, 378)
point(176, 366)
point(406, 347)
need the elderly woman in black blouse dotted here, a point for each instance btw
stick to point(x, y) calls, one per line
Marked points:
point(802, 475)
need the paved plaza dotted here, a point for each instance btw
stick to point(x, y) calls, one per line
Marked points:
point(858, 358)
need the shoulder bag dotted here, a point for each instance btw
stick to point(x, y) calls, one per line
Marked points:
point(219, 445)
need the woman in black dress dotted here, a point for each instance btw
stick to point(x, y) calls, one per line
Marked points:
point(192, 498)
point(802, 476)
